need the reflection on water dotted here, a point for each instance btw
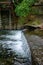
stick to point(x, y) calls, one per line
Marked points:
point(14, 48)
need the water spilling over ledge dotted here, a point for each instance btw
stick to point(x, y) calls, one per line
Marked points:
point(14, 49)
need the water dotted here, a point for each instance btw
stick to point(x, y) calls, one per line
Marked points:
point(14, 49)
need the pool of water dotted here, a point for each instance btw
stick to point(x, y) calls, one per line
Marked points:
point(14, 49)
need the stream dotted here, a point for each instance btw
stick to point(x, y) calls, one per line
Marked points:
point(14, 49)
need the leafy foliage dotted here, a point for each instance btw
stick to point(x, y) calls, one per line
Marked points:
point(24, 8)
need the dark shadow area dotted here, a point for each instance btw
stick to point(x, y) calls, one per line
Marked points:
point(30, 28)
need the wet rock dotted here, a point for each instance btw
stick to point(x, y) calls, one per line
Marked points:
point(36, 45)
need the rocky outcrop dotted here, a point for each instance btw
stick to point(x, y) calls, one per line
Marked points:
point(41, 26)
point(29, 27)
point(36, 45)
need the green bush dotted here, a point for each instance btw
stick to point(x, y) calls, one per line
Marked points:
point(24, 8)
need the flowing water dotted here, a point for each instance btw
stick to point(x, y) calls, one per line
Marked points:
point(14, 49)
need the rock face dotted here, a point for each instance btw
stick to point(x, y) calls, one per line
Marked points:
point(30, 28)
point(36, 44)
point(41, 26)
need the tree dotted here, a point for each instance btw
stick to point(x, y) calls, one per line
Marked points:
point(23, 7)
